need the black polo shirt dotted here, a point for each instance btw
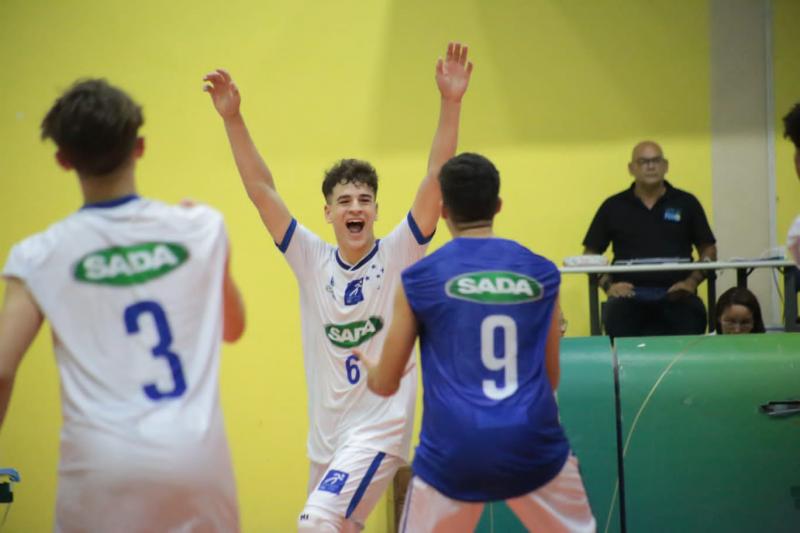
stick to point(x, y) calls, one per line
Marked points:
point(675, 223)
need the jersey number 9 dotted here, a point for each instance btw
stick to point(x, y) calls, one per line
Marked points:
point(507, 363)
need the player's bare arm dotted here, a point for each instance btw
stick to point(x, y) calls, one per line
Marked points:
point(707, 252)
point(552, 348)
point(233, 307)
point(256, 176)
point(452, 77)
point(20, 320)
point(383, 376)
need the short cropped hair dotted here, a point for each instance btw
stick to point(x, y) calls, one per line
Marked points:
point(349, 171)
point(740, 296)
point(470, 188)
point(791, 126)
point(95, 125)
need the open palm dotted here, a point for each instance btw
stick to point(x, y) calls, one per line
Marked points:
point(453, 73)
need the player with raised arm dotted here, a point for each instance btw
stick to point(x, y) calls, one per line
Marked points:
point(486, 311)
point(356, 440)
point(139, 297)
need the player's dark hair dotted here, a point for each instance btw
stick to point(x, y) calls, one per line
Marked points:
point(740, 296)
point(791, 125)
point(349, 171)
point(470, 187)
point(95, 126)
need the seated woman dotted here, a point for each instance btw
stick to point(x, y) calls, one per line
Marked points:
point(738, 312)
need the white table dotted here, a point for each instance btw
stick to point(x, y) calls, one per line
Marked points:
point(743, 270)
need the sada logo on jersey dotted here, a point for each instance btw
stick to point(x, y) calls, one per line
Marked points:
point(354, 333)
point(130, 265)
point(494, 288)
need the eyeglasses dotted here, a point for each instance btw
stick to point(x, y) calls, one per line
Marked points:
point(644, 161)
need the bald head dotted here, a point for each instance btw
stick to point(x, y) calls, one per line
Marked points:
point(646, 146)
point(648, 165)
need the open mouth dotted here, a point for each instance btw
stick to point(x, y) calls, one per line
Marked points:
point(355, 226)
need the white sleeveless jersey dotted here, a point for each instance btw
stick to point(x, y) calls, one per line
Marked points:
point(343, 307)
point(133, 292)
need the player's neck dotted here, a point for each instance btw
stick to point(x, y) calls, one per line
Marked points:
point(352, 255)
point(109, 187)
point(479, 229)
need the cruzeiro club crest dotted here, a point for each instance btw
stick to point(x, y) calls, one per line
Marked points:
point(130, 265)
point(494, 288)
point(354, 333)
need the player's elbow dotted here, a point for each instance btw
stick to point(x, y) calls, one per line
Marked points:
point(233, 328)
point(383, 388)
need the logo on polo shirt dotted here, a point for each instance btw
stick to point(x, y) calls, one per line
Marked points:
point(354, 333)
point(672, 214)
point(334, 481)
point(494, 288)
point(130, 265)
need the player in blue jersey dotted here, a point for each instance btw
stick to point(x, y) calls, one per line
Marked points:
point(486, 311)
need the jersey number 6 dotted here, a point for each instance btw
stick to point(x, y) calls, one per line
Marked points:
point(132, 314)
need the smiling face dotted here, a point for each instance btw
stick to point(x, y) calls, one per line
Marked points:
point(352, 210)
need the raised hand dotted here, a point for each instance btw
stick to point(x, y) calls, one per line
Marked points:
point(223, 91)
point(453, 73)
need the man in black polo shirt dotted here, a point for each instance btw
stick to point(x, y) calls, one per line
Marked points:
point(652, 219)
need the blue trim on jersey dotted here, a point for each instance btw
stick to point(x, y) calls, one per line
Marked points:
point(421, 239)
point(111, 203)
point(361, 263)
point(287, 237)
point(362, 487)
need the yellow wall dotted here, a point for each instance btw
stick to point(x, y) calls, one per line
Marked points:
point(561, 92)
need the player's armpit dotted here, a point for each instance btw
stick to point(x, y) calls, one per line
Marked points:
point(20, 320)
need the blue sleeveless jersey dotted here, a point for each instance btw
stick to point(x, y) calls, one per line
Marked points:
point(490, 428)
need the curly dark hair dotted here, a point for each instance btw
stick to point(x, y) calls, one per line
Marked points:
point(470, 188)
point(740, 296)
point(791, 125)
point(349, 171)
point(95, 126)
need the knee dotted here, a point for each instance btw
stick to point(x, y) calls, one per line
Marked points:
point(313, 520)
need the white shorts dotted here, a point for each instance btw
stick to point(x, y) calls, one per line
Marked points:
point(559, 506)
point(347, 489)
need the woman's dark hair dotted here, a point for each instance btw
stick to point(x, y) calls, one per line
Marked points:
point(740, 296)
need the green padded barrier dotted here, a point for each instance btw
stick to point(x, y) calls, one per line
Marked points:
point(586, 403)
point(699, 456)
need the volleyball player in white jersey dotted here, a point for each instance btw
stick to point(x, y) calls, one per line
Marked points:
point(356, 440)
point(139, 298)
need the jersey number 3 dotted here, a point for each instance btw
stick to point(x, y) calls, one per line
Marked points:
point(132, 314)
point(507, 363)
